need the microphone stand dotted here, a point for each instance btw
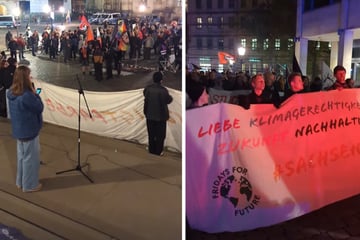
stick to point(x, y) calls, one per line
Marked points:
point(78, 166)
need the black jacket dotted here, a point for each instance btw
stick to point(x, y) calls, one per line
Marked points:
point(156, 102)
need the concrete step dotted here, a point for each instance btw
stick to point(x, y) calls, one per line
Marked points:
point(36, 222)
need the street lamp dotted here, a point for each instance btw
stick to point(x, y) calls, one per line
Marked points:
point(142, 7)
point(241, 52)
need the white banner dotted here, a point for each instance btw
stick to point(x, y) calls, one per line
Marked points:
point(114, 114)
point(247, 169)
point(218, 96)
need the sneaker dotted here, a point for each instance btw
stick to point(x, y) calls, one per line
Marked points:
point(38, 188)
point(162, 154)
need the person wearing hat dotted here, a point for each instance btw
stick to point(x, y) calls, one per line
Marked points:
point(156, 100)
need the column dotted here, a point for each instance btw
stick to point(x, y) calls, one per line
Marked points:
point(346, 38)
point(334, 54)
point(301, 53)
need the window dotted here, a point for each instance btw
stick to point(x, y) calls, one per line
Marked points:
point(209, 44)
point(254, 3)
point(253, 44)
point(243, 42)
point(243, 4)
point(231, 4)
point(231, 22)
point(220, 4)
point(199, 43)
point(221, 22)
point(179, 3)
point(198, 4)
point(231, 43)
point(209, 4)
point(210, 20)
point(221, 44)
point(290, 43)
point(277, 44)
point(199, 22)
point(266, 44)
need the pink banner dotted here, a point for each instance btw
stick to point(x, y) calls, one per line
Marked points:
point(252, 168)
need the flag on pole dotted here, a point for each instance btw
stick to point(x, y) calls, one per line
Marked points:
point(296, 66)
point(85, 26)
point(225, 58)
point(98, 36)
point(120, 28)
point(327, 76)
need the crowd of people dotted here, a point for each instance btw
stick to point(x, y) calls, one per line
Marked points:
point(264, 88)
point(142, 39)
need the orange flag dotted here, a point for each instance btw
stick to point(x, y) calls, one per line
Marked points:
point(85, 26)
point(225, 57)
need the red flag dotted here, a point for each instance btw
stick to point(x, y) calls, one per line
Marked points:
point(85, 26)
point(225, 57)
point(83, 23)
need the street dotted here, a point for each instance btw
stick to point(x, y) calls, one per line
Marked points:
point(136, 74)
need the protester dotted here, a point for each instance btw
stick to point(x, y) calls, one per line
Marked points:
point(259, 95)
point(21, 46)
point(8, 37)
point(350, 82)
point(26, 110)
point(296, 85)
point(3, 71)
point(339, 74)
point(84, 57)
point(156, 112)
point(13, 46)
point(98, 60)
point(316, 85)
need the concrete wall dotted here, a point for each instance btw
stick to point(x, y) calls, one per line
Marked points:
point(328, 19)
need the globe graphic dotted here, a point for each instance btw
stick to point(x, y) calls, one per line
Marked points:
point(237, 191)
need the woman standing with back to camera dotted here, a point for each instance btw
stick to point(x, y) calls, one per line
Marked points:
point(26, 110)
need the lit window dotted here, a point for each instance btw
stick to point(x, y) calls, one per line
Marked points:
point(266, 44)
point(199, 22)
point(277, 44)
point(210, 20)
point(290, 43)
point(253, 44)
point(243, 42)
point(221, 22)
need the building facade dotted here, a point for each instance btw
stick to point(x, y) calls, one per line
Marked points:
point(264, 28)
point(166, 9)
point(334, 23)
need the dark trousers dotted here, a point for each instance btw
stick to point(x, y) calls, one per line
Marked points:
point(98, 71)
point(156, 133)
point(3, 112)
